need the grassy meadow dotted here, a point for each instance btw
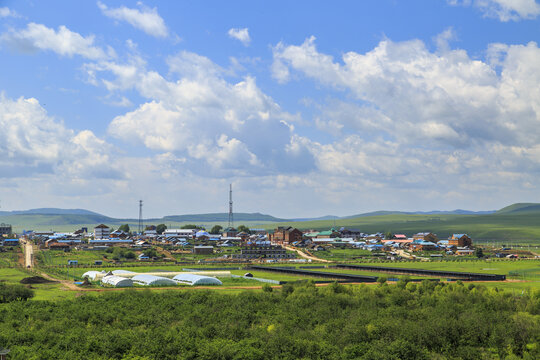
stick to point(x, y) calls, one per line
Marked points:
point(513, 228)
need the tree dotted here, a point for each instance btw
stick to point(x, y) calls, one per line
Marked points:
point(124, 228)
point(479, 252)
point(189, 226)
point(388, 235)
point(216, 229)
point(151, 253)
point(9, 293)
point(243, 228)
point(160, 229)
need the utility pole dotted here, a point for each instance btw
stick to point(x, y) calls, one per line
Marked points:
point(140, 216)
point(231, 219)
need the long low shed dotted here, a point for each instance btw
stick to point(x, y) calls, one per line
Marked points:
point(439, 273)
point(193, 279)
point(168, 274)
point(152, 280)
point(116, 281)
point(327, 275)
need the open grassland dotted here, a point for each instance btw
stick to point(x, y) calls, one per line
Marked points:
point(341, 254)
point(522, 274)
point(523, 228)
point(504, 267)
point(54, 257)
point(49, 291)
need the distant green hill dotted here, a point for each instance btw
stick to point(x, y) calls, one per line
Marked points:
point(63, 220)
point(49, 211)
point(520, 226)
point(222, 217)
point(517, 222)
point(45, 222)
point(520, 208)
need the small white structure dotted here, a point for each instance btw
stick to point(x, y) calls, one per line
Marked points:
point(184, 233)
point(92, 275)
point(122, 272)
point(116, 281)
point(152, 280)
point(192, 279)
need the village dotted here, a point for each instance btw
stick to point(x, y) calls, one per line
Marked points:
point(281, 244)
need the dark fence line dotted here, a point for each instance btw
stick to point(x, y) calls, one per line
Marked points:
point(313, 267)
point(443, 274)
point(328, 275)
point(213, 269)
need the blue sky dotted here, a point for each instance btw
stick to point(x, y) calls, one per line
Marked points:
point(307, 107)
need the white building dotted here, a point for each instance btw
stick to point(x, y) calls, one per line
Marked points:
point(184, 233)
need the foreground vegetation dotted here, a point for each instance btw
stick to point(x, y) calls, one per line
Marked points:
point(408, 321)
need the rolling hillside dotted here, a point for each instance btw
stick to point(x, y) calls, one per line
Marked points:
point(221, 217)
point(523, 227)
point(517, 222)
point(520, 208)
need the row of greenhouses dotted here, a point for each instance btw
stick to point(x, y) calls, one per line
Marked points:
point(115, 279)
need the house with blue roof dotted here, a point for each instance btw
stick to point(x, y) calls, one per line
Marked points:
point(10, 242)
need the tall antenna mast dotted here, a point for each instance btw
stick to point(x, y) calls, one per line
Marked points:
point(231, 220)
point(140, 217)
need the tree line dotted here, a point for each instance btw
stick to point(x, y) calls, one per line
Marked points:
point(425, 320)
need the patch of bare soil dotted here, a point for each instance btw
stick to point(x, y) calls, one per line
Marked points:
point(37, 280)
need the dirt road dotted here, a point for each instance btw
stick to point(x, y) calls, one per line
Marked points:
point(28, 253)
point(306, 256)
point(404, 254)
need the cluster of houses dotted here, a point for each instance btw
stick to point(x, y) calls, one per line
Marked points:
point(254, 244)
point(460, 244)
point(258, 243)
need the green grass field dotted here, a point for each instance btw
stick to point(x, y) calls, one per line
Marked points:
point(54, 257)
point(341, 254)
point(504, 267)
point(519, 228)
point(51, 291)
point(523, 274)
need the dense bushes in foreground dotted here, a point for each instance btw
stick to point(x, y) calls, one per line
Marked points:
point(9, 293)
point(412, 321)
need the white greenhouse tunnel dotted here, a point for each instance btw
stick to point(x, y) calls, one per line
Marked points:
point(117, 281)
point(193, 279)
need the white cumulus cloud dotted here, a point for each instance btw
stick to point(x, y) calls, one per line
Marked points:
point(241, 34)
point(33, 142)
point(218, 126)
point(421, 119)
point(62, 41)
point(145, 19)
point(7, 12)
point(430, 96)
point(504, 10)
